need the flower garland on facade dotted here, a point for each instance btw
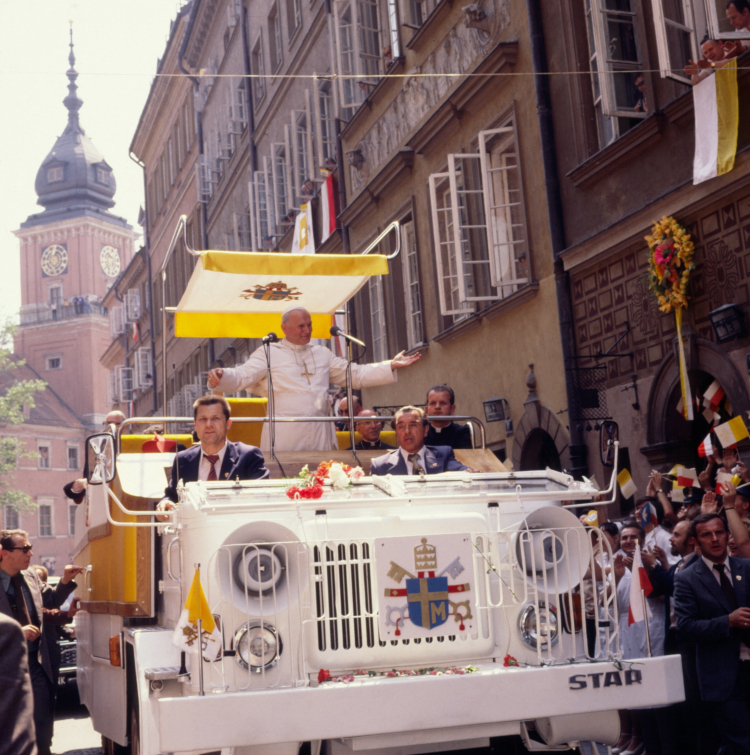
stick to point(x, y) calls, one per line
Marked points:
point(670, 262)
point(309, 485)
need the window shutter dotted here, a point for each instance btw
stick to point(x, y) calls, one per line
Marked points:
point(125, 383)
point(133, 305)
point(116, 321)
point(253, 217)
point(676, 40)
point(144, 368)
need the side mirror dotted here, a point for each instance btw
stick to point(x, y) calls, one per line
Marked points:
point(100, 459)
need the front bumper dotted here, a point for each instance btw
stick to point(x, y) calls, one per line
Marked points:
point(406, 704)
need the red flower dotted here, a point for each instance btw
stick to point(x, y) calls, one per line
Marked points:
point(509, 660)
point(323, 675)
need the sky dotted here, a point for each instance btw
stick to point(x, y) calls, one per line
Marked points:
point(117, 46)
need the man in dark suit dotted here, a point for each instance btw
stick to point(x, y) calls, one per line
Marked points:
point(17, 735)
point(214, 458)
point(24, 597)
point(712, 605)
point(412, 456)
point(441, 401)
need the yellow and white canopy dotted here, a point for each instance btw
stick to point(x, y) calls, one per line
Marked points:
point(242, 294)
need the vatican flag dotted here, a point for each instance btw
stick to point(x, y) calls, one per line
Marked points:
point(717, 118)
point(627, 486)
point(186, 632)
point(303, 241)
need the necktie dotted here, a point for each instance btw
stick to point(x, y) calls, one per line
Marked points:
point(212, 459)
point(726, 586)
point(414, 459)
point(24, 617)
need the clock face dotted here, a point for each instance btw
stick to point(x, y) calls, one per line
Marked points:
point(54, 260)
point(110, 260)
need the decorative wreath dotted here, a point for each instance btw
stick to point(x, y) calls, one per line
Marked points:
point(670, 262)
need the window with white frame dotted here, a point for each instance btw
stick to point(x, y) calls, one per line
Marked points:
point(116, 321)
point(11, 518)
point(102, 176)
point(133, 305)
point(280, 187)
point(55, 174)
point(677, 36)
point(325, 134)
point(55, 296)
point(412, 293)
point(125, 382)
point(259, 210)
point(73, 457)
point(44, 513)
point(44, 460)
point(479, 225)
point(418, 11)
point(303, 149)
point(359, 50)
point(616, 67)
point(274, 39)
point(72, 508)
point(144, 369)
point(259, 69)
point(53, 362)
point(395, 51)
point(239, 109)
point(719, 26)
point(293, 15)
point(377, 318)
point(242, 229)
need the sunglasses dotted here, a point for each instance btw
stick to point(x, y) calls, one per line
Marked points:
point(24, 548)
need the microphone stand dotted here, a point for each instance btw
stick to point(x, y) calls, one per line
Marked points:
point(272, 409)
point(349, 404)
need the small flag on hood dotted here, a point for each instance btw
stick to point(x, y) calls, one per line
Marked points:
point(186, 632)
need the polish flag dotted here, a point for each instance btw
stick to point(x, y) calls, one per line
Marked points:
point(687, 478)
point(713, 396)
point(328, 208)
point(638, 582)
point(706, 448)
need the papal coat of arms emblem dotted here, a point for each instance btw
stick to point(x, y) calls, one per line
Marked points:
point(277, 291)
point(427, 602)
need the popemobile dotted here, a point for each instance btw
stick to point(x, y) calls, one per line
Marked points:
point(387, 615)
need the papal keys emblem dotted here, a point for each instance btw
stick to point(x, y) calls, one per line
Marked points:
point(431, 604)
point(278, 291)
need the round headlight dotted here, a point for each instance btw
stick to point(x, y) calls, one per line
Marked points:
point(258, 569)
point(547, 630)
point(257, 646)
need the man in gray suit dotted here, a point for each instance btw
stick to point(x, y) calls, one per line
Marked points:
point(23, 597)
point(412, 456)
point(17, 736)
point(712, 606)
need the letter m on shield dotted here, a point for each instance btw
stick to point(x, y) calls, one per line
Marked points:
point(428, 601)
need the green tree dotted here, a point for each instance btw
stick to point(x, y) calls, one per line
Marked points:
point(16, 399)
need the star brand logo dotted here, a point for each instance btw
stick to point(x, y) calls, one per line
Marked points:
point(278, 291)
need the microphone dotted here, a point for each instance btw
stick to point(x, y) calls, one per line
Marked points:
point(336, 331)
point(270, 338)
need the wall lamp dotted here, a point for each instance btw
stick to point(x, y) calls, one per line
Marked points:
point(728, 323)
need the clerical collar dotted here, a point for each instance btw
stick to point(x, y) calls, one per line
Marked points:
point(295, 346)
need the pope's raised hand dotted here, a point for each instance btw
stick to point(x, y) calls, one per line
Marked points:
point(214, 377)
point(402, 360)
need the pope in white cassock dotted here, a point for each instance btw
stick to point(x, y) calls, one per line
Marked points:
point(301, 377)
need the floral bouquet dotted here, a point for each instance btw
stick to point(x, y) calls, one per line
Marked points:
point(310, 484)
point(670, 263)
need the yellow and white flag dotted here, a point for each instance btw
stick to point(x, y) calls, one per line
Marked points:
point(303, 241)
point(717, 118)
point(627, 486)
point(731, 432)
point(186, 631)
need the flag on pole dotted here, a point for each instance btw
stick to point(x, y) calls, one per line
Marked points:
point(687, 478)
point(716, 107)
point(327, 208)
point(648, 515)
point(303, 241)
point(186, 632)
point(731, 432)
point(706, 448)
point(639, 581)
point(713, 396)
point(627, 486)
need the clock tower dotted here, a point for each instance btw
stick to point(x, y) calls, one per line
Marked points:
point(71, 254)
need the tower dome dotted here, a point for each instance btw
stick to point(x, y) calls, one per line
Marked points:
point(74, 179)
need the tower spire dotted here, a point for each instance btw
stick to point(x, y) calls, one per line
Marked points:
point(73, 102)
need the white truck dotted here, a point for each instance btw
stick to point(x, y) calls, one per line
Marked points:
point(401, 615)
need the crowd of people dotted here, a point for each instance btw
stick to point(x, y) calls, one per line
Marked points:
point(693, 544)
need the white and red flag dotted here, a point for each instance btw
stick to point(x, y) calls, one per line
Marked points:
point(327, 208)
point(638, 582)
point(706, 448)
point(713, 396)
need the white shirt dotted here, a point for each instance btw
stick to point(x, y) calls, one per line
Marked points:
point(204, 467)
point(409, 465)
point(659, 536)
point(744, 649)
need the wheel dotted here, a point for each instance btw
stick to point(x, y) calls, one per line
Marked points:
point(135, 739)
point(112, 748)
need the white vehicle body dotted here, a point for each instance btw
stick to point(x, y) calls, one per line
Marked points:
point(326, 568)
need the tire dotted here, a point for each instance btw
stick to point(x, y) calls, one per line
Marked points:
point(112, 748)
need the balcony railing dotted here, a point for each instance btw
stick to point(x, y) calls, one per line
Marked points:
point(62, 312)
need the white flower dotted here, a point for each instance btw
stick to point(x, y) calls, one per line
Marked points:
point(356, 474)
point(338, 477)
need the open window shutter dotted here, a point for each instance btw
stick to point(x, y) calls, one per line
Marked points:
point(273, 217)
point(309, 137)
point(253, 217)
point(676, 42)
point(447, 261)
point(290, 195)
point(319, 127)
